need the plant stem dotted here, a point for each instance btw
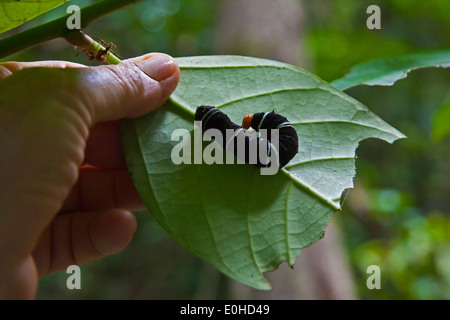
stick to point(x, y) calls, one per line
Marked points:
point(110, 57)
point(58, 28)
point(79, 39)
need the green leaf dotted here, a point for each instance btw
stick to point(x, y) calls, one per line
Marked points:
point(13, 13)
point(441, 123)
point(242, 222)
point(385, 72)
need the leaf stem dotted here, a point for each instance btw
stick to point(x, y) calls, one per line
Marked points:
point(182, 105)
point(58, 27)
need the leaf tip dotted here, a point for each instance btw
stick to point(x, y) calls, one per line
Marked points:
point(261, 284)
point(398, 137)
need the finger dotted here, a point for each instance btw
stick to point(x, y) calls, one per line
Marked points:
point(130, 89)
point(104, 93)
point(9, 67)
point(81, 237)
point(100, 189)
point(104, 146)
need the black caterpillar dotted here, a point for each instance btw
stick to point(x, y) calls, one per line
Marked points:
point(213, 118)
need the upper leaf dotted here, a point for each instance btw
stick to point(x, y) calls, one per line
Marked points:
point(238, 220)
point(386, 71)
point(13, 13)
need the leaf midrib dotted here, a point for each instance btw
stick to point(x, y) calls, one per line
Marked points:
point(311, 190)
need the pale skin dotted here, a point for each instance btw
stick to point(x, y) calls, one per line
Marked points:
point(55, 117)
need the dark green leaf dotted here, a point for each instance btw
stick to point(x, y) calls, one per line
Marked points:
point(386, 71)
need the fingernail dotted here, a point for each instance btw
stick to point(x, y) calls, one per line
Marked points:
point(158, 66)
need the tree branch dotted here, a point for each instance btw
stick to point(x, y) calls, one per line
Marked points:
point(58, 28)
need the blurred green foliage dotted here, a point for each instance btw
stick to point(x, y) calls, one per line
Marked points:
point(403, 223)
point(441, 123)
point(414, 260)
point(339, 39)
point(398, 215)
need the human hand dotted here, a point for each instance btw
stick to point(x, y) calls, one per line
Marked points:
point(54, 117)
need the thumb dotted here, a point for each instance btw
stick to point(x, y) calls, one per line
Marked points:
point(130, 89)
